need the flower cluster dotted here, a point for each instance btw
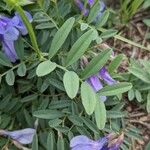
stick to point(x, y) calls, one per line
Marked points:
point(24, 136)
point(85, 11)
point(97, 85)
point(95, 81)
point(108, 142)
point(9, 32)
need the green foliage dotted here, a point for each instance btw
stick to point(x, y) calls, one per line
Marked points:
point(71, 83)
point(100, 109)
point(61, 36)
point(35, 143)
point(45, 68)
point(96, 64)
point(88, 98)
point(52, 93)
point(146, 4)
point(147, 146)
point(140, 72)
point(104, 18)
point(115, 89)
point(79, 47)
point(93, 12)
point(129, 8)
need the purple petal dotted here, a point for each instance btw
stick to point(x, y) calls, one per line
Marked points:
point(81, 7)
point(24, 136)
point(4, 20)
point(11, 34)
point(105, 147)
point(103, 141)
point(28, 15)
point(8, 47)
point(114, 147)
point(2, 29)
point(79, 4)
point(3, 23)
point(18, 23)
point(84, 147)
point(106, 76)
point(102, 6)
point(96, 85)
point(80, 140)
point(91, 2)
point(116, 143)
point(101, 10)
point(83, 143)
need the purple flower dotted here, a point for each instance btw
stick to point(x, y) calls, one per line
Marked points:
point(106, 76)
point(9, 32)
point(81, 7)
point(8, 47)
point(102, 8)
point(18, 23)
point(95, 80)
point(84, 143)
point(24, 136)
point(90, 2)
point(96, 85)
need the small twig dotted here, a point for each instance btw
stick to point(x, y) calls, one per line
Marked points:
point(144, 40)
point(136, 115)
point(140, 122)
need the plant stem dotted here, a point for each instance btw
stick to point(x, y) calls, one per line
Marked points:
point(126, 40)
point(30, 30)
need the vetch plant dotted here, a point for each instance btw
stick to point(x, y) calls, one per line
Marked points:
point(102, 74)
point(50, 85)
point(100, 7)
point(24, 136)
point(82, 142)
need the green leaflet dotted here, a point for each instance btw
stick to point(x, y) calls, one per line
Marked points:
point(79, 47)
point(60, 143)
point(140, 73)
point(115, 89)
point(103, 19)
point(35, 142)
point(21, 71)
point(19, 47)
point(93, 12)
point(4, 61)
point(148, 103)
point(147, 22)
point(76, 120)
point(147, 146)
point(131, 95)
point(116, 114)
point(47, 114)
point(138, 96)
point(88, 97)
point(51, 141)
point(96, 64)
point(45, 68)
point(10, 77)
point(61, 36)
point(100, 114)
point(71, 83)
point(115, 63)
point(109, 33)
point(90, 124)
